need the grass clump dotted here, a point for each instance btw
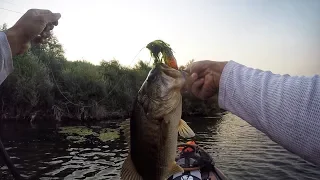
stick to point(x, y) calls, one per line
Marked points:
point(108, 135)
point(76, 130)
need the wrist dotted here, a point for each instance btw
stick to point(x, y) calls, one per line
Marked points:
point(14, 42)
point(218, 69)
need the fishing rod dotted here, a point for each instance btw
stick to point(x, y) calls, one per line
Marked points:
point(8, 162)
point(14, 171)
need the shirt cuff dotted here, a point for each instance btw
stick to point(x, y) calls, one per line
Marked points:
point(6, 63)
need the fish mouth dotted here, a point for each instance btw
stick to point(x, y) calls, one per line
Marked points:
point(169, 71)
point(162, 91)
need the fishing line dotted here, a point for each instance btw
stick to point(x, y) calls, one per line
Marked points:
point(150, 60)
point(8, 2)
point(11, 10)
point(88, 106)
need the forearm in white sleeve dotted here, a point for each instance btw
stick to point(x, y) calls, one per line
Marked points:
point(286, 108)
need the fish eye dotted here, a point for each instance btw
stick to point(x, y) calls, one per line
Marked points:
point(152, 77)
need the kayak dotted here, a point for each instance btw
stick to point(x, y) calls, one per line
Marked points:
point(197, 164)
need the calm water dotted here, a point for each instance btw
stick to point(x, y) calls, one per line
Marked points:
point(240, 151)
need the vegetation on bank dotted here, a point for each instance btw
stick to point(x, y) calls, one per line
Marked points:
point(45, 85)
point(80, 134)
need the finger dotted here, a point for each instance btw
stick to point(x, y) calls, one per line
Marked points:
point(198, 67)
point(197, 75)
point(190, 80)
point(45, 34)
point(43, 11)
point(194, 76)
point(203, 73)
point(207, 89)
point(196, 87)
point(55, 23)
point(190, 67)
point(51, 17)
point(49, 27)
point(37, 40)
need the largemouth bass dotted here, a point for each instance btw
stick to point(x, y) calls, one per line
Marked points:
point(153, 128)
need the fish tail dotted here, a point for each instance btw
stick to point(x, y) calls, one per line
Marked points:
point(128, 171)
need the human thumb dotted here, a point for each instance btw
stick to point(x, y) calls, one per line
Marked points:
point(52, 18)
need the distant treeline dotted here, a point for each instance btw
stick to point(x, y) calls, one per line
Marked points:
point(45, 85)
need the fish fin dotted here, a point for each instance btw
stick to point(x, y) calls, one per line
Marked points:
point(128, 171)
point(125, 126)
point(184, 130)
point(174, 168)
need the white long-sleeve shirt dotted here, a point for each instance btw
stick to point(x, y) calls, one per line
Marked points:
point(286, 108)
point(6, 64)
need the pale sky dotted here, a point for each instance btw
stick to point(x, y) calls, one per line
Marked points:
point(282, 36)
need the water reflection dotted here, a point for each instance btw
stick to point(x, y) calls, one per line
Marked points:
point(240, 151)
point(243, 152)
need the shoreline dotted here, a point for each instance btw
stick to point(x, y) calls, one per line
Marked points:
point(39, 116)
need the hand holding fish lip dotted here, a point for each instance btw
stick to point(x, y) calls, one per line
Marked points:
point(204, 78)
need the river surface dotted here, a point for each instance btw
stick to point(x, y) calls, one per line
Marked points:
point(240, 152)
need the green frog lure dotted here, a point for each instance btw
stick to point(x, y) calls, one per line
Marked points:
point(158, 46)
